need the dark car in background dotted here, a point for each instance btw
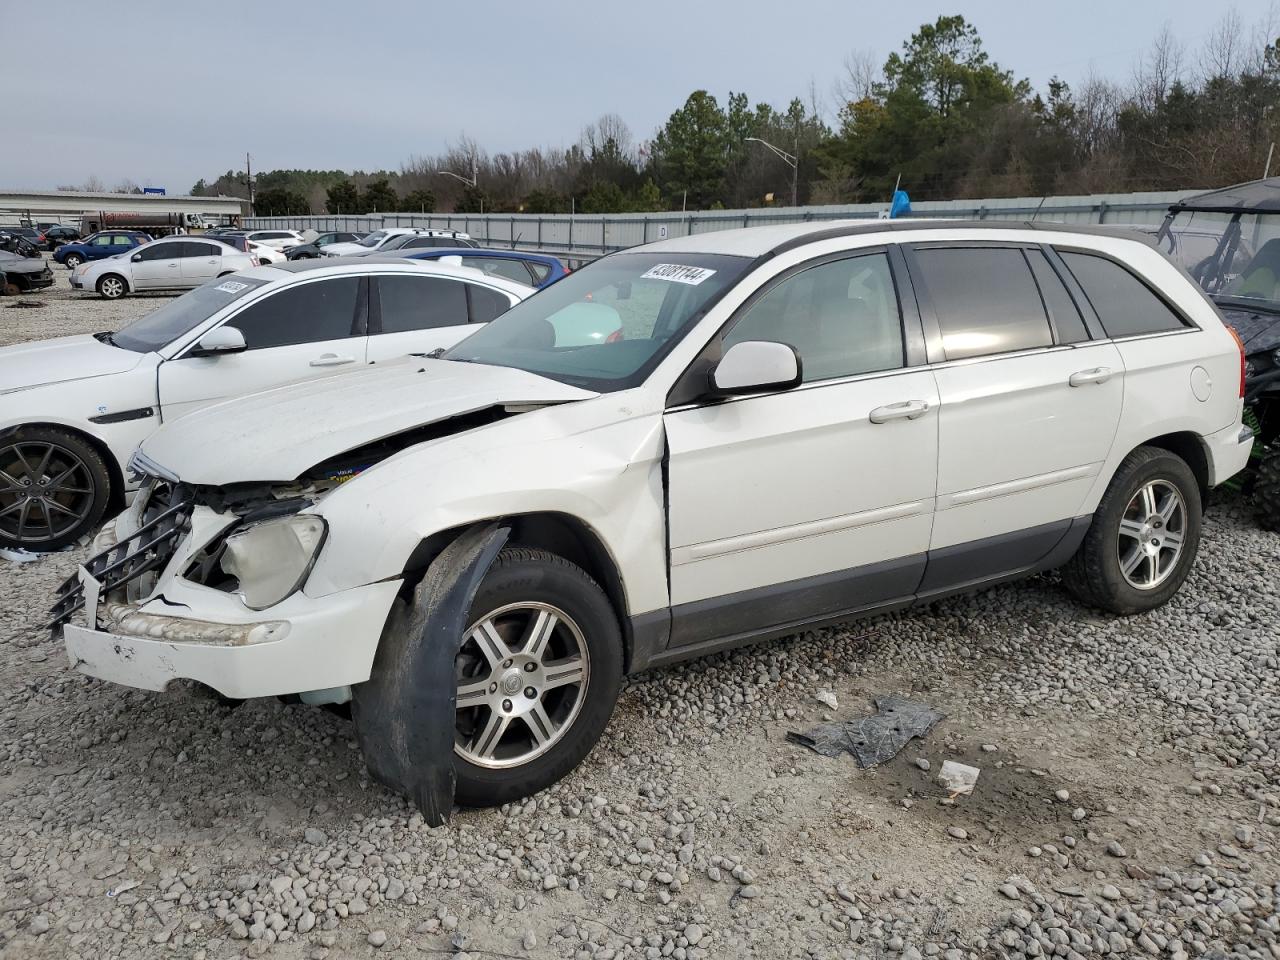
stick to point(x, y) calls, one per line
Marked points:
point(105, 243)
point(57, 234)
point(311, 250)
point(536, 269)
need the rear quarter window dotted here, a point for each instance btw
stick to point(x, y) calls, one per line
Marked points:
point(1125, 305)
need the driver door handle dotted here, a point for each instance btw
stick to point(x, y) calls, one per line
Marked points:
point(1096, 375)
point(331, 360)
point(905, 410)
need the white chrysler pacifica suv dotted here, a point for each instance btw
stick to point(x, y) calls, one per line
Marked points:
point(679, 448)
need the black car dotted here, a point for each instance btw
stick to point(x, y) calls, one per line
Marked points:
point(23, 274)
point(309, 251)
point(1242, 276)
point(56, 235)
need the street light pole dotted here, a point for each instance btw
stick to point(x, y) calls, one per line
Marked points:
point(789, 159)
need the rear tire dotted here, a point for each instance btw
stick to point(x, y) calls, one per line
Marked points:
point(1143, 538)
point(1266, 492)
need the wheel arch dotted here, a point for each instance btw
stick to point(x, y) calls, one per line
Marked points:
point(1191, 449)
point(116, 501)
point(563, 534)
point(128, 288)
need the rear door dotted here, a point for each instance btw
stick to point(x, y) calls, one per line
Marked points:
point(418, 314)
point(305, 330)
point(201, 261)
point(1030, 403)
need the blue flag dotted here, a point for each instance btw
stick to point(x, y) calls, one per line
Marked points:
point(901, 204)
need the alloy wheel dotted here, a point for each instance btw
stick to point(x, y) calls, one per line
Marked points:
point(522, 674)
point(111, 287)
point(45, 491)
point(1152, 532)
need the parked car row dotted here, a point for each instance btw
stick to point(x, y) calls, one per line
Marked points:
point(369, 482)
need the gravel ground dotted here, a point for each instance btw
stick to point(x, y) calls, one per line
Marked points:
point(1128, 803)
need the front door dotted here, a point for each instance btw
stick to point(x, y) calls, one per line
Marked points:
point(157, 265)
point(310, 329)
point(796, 505)
point(1029, 404)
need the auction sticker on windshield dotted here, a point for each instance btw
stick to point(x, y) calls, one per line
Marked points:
point(231, 286)
point(676, 273)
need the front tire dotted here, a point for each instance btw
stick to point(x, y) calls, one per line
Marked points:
point(54, 488)
point(1143, 538)
point(539, 625)
point(112, 287)
point(73, 260)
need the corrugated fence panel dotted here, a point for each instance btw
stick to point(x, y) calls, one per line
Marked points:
point(603, 234)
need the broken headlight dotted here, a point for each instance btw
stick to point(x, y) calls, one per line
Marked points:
point(271, 560)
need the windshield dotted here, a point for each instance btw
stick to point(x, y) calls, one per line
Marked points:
point(608, 325)
point(1233, 256)
point(373, 239)
point(182, 315)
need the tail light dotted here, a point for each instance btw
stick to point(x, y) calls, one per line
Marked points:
point(1243, 363)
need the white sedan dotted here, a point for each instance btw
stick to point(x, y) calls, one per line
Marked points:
point(276, 239)
point(174, 263)
point(75, 408)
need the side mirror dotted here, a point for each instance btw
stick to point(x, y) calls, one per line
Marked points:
point(756, 365)
point(223, 339)
point(136, 258)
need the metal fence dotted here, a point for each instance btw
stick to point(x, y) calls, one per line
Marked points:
point(601, 234)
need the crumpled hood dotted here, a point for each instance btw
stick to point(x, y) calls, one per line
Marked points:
point(276, 435)
point(1259, 329)
point(63, 358)
point(22, 265)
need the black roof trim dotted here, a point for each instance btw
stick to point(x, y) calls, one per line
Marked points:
point(1122, 232)
point(1253, 196)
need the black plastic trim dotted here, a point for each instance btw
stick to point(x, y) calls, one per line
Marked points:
point(123, 416)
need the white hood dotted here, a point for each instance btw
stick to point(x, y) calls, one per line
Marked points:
point(276, 435)
point(64, 358)
point(345, 249)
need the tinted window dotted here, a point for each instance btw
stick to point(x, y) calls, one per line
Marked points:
point(486, 303)
point(986, 300)
point(182, 314)
point(1066, 318)
point(842, 318)
point(1124, 304)
point(540, 271)
point(500, 267)
point(200, 250)
point(160, 251)
point(420, 303)
point(307, 313)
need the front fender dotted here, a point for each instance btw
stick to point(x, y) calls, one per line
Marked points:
point(608, 478)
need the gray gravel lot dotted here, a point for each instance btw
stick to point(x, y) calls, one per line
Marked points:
point(1128, 803)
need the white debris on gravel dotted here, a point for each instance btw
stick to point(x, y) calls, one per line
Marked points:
point(140, 825)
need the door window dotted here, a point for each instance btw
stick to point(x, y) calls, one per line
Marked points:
point(986, 300)
point(500, 267)
point(1068, 325)
point(1125, 305)
point(160, 251)
point(200, 250)
point(119, 240)
point(842, 318)
point(420, 303)
point(486, 303)
point(308, 313)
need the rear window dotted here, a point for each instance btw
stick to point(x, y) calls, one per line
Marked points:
point(1067, 322)
point(1125, 305)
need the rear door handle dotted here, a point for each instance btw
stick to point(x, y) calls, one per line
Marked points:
point(1096, 375)
point(905, 410)
point(331, 360)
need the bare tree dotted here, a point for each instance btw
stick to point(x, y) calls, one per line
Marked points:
point(858, 82)
point(1223, 50)
point(1157, 72)
point(1261, 55)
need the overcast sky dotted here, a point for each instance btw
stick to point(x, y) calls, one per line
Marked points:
point(164, 93)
